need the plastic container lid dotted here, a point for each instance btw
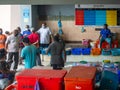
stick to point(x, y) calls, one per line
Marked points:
point(40, 73)
point(81, 73)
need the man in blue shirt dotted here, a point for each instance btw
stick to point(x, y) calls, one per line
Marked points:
point(29, 54)
point(105, 35)
point(27, 32)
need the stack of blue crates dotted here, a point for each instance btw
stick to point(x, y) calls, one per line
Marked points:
point(76, 51)
point(115, 52)
point(106, 52)
point(86, 51)
point(68, 52)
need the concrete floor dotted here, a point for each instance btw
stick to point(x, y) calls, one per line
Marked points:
point(77, 58)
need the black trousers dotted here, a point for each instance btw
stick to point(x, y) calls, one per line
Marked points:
point(56, 67)
point(13, 57)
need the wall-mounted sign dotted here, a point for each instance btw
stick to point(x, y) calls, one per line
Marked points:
point(26, 15)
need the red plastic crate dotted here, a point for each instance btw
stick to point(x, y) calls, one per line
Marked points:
point(115, 44)
point(105, 45)
point(48, 79)
point(80, 78)
point(11, 87)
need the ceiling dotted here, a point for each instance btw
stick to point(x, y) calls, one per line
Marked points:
point(59, 2)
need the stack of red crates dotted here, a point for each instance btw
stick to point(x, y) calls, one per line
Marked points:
point(47, 79)
point(80, 78)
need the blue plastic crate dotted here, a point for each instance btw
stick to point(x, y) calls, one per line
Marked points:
point(109, 81)
point(76, 51)
point(86, 51)
point(68, 52)
point(118, 72)
point(43, 51)
point(115, 52)
point(106, 52)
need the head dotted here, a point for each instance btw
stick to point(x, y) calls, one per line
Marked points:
point(2, 54)
point(44, 25)
point(105, 26)
point(26, 41)
point(33, 30)
point(56, 38)
point(19, 29)
point(15, 32)
point(1, 31)
point(7, 32)
point(27, 26)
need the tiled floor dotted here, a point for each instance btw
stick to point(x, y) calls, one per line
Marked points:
point(89, 58)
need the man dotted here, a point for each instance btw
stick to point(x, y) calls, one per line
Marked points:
point(105, 34)
point(58, 56)
point(27, 32)
point(12, 47)
point(6, 76)
point(34, 40)
point(29, 54)
point(2, 39)
point(45, 35)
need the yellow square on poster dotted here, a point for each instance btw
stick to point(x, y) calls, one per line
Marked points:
point(111, 17)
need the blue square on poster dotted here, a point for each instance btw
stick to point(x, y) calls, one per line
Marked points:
point(89, 17)
point(100, 17)
point(26, 13)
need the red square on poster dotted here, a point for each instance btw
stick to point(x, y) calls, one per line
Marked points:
point(79, 17)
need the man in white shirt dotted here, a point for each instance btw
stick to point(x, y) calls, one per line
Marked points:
point(45, 35)
point(12, 47)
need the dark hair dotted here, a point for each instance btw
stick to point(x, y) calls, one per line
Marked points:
point(106, 25)
point(3, 66)
point(56, 38)
point(7, 32)
point(45, 23)
point(26, 40)
point(2, 53)
point(27, 26)
point(33, 30)
point(18, 28)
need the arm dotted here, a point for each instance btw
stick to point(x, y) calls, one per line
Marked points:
point(99, 37)
point(64, 54)
point(22, 56)
point(110, 34)
point(48, 50)
point(6, 44)
point(35, 42)
point(100, 34)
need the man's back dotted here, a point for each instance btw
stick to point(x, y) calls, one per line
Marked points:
point(29, 55)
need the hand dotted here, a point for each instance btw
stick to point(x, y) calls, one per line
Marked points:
point(20, 62)
point(64, 60)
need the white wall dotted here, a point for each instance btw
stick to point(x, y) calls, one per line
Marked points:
point(15, 16)
point(5, 14)
point(11, 16)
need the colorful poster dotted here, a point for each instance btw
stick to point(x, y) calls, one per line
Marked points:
point(79, 17)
